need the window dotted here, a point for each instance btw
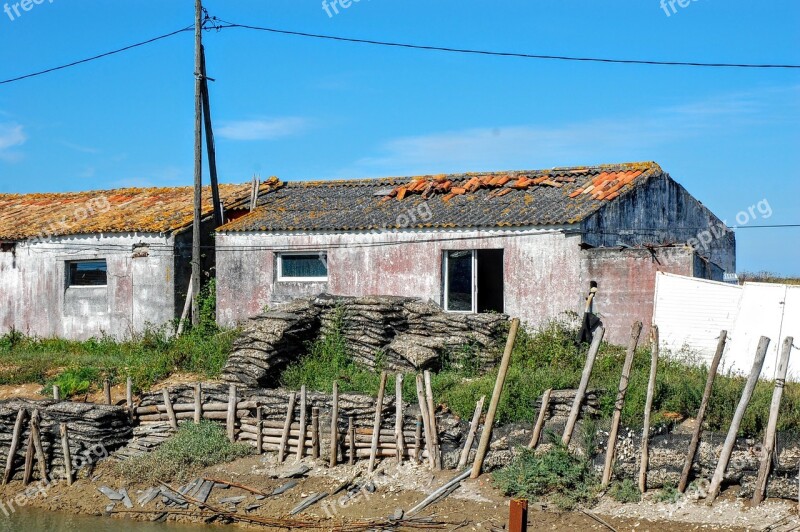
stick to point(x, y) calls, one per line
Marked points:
point(473, 280)
point(310, 266)
point(87, 273)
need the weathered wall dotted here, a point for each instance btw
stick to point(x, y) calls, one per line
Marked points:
point(661, 211)
point(35, 300)
point(541, 268)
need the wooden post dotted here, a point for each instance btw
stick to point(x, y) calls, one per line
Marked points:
point(173, 421)
point(107, 391)
point(648, 407)
point(334, 426)
point(12, 450)
point(211, 151)
point(56, 392)
point(287, 425)
point(198, 159)
point(198, 403)
point(301, 444)
point(129, 396)
point(701, 413)
point(315, 432)
point(518, 515)
point(486, 435)
point(537, 430)
point(636, 331)
point(769, 438)
point(426, 423)
point(260, 429)
point(66, 453)
point(36, 436)
point(376, 426)
point(437, 457)
point(351, 437)
point(187, 305)
point(398, 418)
point(730, 440)
point(575, 411)
point(418, 440)
point(473, 427)
point(231, 421)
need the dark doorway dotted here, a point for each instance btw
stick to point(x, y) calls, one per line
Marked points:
point(490, 280)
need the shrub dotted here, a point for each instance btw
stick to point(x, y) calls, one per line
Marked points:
point(668, 494)
point(625, 492)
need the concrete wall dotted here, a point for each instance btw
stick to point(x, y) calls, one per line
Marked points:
point(35, 299)
point(541, 268)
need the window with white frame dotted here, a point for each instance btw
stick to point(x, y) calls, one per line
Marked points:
point(473, 280)
point(305, 266)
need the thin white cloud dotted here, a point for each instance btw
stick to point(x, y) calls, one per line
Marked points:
point(262, 129)
point(11, 135)
point(79, 147)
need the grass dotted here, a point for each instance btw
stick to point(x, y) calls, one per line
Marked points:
point(625, 491)
point(668, 494)
point(193, 448)
point(79, 367)
point(768, 277)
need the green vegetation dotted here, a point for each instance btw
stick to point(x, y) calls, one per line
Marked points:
point(767, 277)
point(625, 491)
point(668, 494)
point(191, 449)
point(80, 367)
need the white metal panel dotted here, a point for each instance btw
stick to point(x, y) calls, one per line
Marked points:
point(691, 312)
point(791, 327)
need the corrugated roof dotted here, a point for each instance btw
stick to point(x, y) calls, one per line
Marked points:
point(493, 199)
point(146, 210)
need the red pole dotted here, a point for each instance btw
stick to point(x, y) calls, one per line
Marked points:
point(518, 515)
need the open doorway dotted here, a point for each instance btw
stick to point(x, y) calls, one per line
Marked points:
point(473, 280)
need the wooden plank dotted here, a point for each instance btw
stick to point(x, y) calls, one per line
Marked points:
point(398, 418)
point(66, 452)
point(537, 430)
point(636, 331)
point(730, 440)
point(173, 421)
point(107, 391)
point(315, 432)
point(437, 460)
point(768, 449)
point(351, 437)
point(334, 425)
point(287, 424)
point(483, 445)
point(12, 450)
point(418, 439)
point(575, 411)
point(301, 448)
point(198, 403)
point(231, 421)
point(473, 428)
point(376, 426)
point(648, 407)
point(260, 429)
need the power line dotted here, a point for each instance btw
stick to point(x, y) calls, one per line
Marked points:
point(505, 54)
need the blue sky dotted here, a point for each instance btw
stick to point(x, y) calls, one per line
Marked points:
point(301, 108)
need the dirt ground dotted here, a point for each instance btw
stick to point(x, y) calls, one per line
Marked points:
point(476, 505)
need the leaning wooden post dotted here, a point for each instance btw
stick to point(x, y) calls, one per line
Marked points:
point(173, 421)
point(315, 432)
point(231, 421)
point(29, 455)
point(129, 397)
point(437, 455)
point(426, 422)
point(15, 438)
point(400, 442)
point(597, 339)
point(701, 413)
point(65, 451)
point(486, 435)
point(198, 403)
point(473, 427)
point(636, 331)
point(376, 426)
point(769, 438)
point(107, 391)
point(301, 442)
point(537, 430)
point(648, 407)
point(418, 439)
point(259, 429)
point(56, 393)
point(287, 426)
point(730, 440)
point(334, 426)
point(351, 439)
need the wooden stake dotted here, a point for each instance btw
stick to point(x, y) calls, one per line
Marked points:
point(29, 454)
point(437, 457)
point(173, 421)
point(636, 331)
point(315, 432)
point(376, 426)
point(301, 448)
point(56, 393)
point(260, 429)
point(36, 436)
point(473, 427)
point(351, 437)
point(334, 426)
point(107, 391)
point(398, 418)
point(198, 159)
point(648, 407)
point(65, 451)
point(486, 435)
point(537, 430)
point(198, 403)
point(701, 413)
point(423, 408)
point(730, 440)
point(575, 411)
point(287, 425)
point(129, 396)
point(768, 448)
point(231, 421)
point(187, 305)
point(12, 450)
point(418, 440)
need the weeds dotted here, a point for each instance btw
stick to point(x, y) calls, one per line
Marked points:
point(625, 492)
point(668, 494)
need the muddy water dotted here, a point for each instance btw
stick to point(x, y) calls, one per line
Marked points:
point(42, 521)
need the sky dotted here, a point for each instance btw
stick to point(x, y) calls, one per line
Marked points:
point(301, 108)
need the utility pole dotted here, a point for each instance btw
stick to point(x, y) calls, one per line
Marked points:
point(198, 158)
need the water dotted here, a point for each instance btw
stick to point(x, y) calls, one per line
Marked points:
point(32, 520)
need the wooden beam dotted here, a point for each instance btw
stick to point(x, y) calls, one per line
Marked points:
point(376, 426)
point(473, 428)
point(287, 425)
point(575, 411)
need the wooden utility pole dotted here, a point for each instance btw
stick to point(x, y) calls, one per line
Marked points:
point(210, 148)
point(198, 157)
